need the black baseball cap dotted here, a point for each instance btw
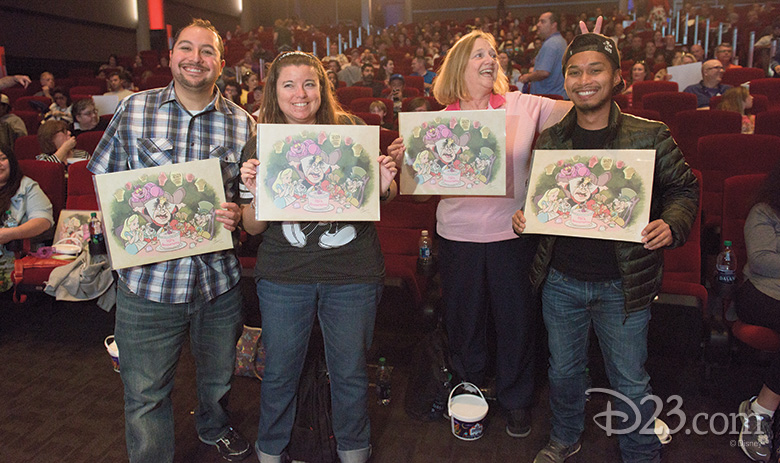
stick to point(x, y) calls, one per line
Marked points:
point(397, 77)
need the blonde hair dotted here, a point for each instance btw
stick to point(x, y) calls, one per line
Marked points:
point(734, 100)
point(449, 85)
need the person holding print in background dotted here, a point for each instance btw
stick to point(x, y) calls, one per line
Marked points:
point(332, 270)
point(758, 303)
point(614, 291)
point(159, 304)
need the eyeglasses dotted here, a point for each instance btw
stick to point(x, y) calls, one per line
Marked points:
point(89, 112)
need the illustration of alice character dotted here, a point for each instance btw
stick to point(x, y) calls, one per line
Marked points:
point(623, 207)
point(425, 166)
point(550, 205)
point(355, 186)
point(204, 221)
point(284, 187)
point(580, 185)
point(483, 165)
point(446, 146)
point(132, 234)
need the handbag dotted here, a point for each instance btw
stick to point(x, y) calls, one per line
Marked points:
point(250, 354)
point(33, 270)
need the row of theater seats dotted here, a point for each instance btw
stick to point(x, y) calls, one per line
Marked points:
point(79, 193)
point(27, 147)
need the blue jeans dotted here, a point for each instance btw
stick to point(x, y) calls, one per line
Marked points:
point(346, 313)
point(150, 336)
point(569, 306)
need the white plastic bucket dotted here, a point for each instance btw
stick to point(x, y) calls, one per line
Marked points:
point(467, 412)
point(113, 351)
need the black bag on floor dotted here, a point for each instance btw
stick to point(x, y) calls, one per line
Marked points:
point(312, 437)
point(430, 379)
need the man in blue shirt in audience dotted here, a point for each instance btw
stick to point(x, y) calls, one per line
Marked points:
point(709, 86)
point(547, 76)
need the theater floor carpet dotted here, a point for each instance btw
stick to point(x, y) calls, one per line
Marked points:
point(60, 401)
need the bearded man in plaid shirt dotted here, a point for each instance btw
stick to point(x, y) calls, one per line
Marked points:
point(159, 304)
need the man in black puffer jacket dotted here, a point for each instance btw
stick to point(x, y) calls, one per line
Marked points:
point(607, 283)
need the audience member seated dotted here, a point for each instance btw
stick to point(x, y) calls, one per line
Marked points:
point(376, 86)
point(397, 84)
point(232, 91)
point(758, 303)
point(679, 58)
point(639, 73)
point(419, 104)
point(709, 86)
point(118, 82)
point(506, 65)
point(738, 100)
point(334, 55)
point(28, 206)
point(333, 77)
point(698, 52)
point(250, 83)
point(379, 108)
point(386, 69)
point(6, 116)
point(60, 109)
point(420, 68)
point(254, 104)
point(634, 52)
point(725, 54)
point(47, 84)
point(85, 117)
point(111, 65)
point(57, 144)
point(351, 73)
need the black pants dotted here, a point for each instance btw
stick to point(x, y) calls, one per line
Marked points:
point(756, 308)
point(481, 277)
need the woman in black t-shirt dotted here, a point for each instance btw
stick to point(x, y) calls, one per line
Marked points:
point(332, 270)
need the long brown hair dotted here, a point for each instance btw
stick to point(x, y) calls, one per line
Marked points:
point(329, 112)
point(734, 100)
point(10, 188)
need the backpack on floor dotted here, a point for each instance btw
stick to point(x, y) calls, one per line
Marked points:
point(430, 379)
point(312, 437)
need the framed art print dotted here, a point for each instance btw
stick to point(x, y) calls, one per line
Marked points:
point(454, 153)
point(317, 172)
point(602, 194)
point(73, 224)
point(162, 213)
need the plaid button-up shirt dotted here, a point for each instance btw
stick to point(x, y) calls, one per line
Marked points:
point(151, 129)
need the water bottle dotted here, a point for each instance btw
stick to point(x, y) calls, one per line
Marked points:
point(383, 383)
point(727, 269)
point(97, 243)
point(424, 256)
point(439, 405)
point(10, 222)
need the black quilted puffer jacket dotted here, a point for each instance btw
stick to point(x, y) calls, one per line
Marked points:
point(675, 200)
